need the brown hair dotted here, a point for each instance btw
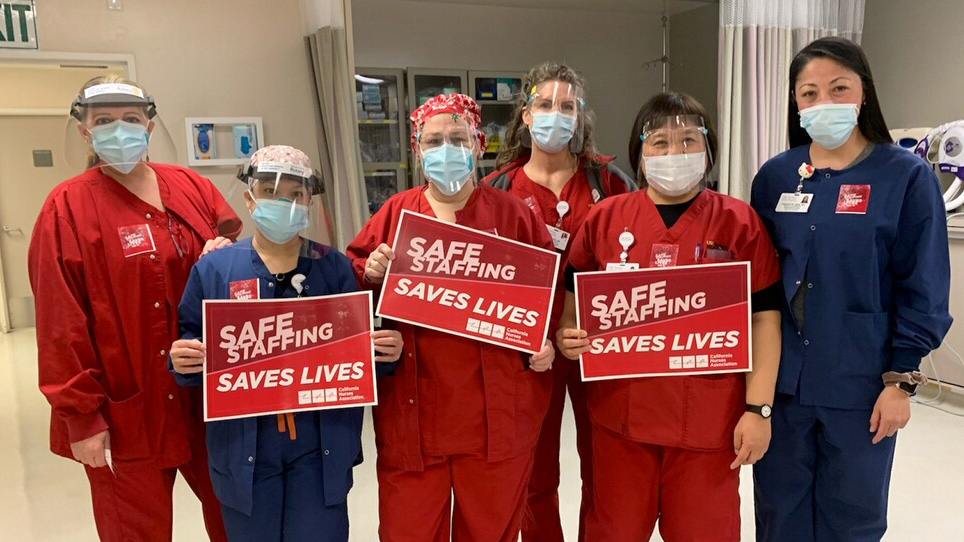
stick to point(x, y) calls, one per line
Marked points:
point(92, 158)
point(667, 104)
point(517, 132)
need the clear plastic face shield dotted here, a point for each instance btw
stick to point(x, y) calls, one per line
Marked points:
point(554, 115)
point(675, 153)
point(448, 146)
point(280, 198)
point(115, 125)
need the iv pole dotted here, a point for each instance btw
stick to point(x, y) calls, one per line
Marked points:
point(664, 59)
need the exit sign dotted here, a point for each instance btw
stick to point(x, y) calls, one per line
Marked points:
point(18, 24)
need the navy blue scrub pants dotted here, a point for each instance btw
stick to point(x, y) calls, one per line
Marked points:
point(822, 479)
point(289, 496)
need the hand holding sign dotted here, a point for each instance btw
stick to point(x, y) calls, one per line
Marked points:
point(377, 263)
point(572, 342)
point(388, 343)
point(187, 356)
point(543, 360)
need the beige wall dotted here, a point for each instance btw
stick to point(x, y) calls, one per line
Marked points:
point(607, 48)
point(694, 48)
point(202, 58)
point(45, 87)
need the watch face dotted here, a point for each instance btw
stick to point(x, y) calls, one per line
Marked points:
point(766, 411)
point(907, 387)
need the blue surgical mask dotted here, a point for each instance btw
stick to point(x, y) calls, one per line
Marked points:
point(448, 167)
point(120, 144)
point(829, 125)
point(552, 131)
point(277, 221)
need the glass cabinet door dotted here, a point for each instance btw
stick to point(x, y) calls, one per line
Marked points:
point(381, 184)
point(377, 98)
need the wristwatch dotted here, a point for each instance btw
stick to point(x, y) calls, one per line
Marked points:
point(908, 388)
point(763, 410)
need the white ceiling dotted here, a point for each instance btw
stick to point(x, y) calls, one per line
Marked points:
point(629, 6)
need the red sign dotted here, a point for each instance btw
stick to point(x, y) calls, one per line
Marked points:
point(662, 322)
point(287, 355)
point(853, 199)
point(469, 283)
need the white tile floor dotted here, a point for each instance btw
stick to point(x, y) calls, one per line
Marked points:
point(45, 498)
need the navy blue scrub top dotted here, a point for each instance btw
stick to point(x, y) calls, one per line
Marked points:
point(877, 283)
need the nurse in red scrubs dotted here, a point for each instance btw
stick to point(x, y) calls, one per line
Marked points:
point(457, 416)
point(670, 448)
point(110, 254)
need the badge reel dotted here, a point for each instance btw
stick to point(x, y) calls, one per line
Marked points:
point(560, 237)
point(626, 240)
point(798, 201)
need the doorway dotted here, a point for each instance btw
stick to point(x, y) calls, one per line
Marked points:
point(38, 89)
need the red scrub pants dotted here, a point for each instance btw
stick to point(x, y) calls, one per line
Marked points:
point(135, 502)
point(694, 495)
point(416, 506)
point(541, 522)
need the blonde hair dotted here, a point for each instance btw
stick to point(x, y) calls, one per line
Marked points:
point(512, 147)
point(92, 158)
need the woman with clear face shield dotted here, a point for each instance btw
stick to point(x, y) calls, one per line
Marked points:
point(670, 448)
point(109, 257)
point(456, 415)
point(301, 462)
point(549, 160)
point(860, 227)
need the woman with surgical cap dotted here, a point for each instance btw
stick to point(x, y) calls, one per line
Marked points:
point(282, 477)
point(549, 160)
point(108, 260)
point(457, 416)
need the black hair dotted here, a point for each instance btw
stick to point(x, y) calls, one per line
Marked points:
point(848, 54)
point(667, 104)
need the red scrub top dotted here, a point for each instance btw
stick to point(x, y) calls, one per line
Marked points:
point(107, 271)
point(449, 394)
point(543, 202)
point(694, 412)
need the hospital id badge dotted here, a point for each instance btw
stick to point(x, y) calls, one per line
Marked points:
point(794, 203)
point(621, 266)
point(560, 238)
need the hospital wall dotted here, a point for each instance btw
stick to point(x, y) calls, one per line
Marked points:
point(214, 58)
point(608, 48)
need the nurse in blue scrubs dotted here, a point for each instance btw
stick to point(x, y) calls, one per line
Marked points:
point(859, 226)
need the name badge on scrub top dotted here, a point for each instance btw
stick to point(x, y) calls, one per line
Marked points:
point(621, 266)
point(136, 239)
point(791, 202)
point(853, 199)
point(245, 289)
point(560, 238)
point(664, 255)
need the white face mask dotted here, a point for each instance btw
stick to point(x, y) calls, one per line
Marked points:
point(675, 174)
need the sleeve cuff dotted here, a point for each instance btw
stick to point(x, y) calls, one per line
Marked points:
point(187, 381)
point(905, 360)
point(81, 426)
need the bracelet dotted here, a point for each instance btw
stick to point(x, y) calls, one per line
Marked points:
point(893, 377)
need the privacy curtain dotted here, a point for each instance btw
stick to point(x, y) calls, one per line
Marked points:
point(332, 65)
point(758, 39)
